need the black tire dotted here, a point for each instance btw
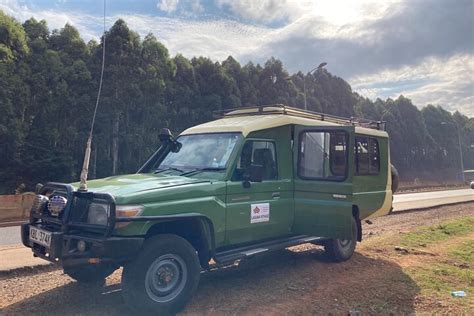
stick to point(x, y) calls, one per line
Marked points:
point(341, 250)
point(93, 273)
point(395, 178)
point(146, 280)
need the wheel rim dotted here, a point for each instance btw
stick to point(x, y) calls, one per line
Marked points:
point(166, 278)
point(345, 243)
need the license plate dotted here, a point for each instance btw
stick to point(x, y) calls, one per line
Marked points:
point(40, 236)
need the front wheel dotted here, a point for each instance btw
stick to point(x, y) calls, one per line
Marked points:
point(163, 277)
point(341, 250)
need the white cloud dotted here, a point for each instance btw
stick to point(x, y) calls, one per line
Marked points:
point(168, 6)
point(439, 81)
point(343, 12)
point(266, 10)
point(196, 6)
point(375, 46)
point(216, 38)
point(334, 12)
point(86, 24)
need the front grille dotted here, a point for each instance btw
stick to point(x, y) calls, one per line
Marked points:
point(74, 217)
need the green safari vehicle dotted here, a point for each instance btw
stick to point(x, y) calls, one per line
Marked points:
point(255, 180)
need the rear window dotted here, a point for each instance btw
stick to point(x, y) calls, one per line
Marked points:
point(366, 155)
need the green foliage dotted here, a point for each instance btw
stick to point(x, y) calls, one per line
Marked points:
point(49, 83)
point(12, 39)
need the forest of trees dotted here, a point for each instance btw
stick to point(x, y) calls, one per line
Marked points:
point(49, 81)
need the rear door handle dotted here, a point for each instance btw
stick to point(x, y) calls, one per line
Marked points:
point(276, 195)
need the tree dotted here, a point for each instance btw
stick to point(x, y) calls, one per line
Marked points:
point(12, 39)
point(49, 82)
point(273, 85)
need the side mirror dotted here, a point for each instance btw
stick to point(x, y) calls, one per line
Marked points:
point(253, 174)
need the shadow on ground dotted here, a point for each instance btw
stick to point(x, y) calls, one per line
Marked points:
point(297, 281)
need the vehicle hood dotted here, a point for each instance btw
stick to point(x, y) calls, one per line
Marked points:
point(137, 183)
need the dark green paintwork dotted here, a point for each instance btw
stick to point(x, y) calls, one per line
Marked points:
point(302, 207)
point(316, 208)
point(369, 191)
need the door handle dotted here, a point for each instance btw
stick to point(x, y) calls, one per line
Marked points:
point(276, 195)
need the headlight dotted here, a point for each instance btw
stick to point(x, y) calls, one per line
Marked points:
point(39, 203)
point(98, 213)
point(56, 204)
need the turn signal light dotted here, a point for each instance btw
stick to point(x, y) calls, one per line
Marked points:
point(127, 211)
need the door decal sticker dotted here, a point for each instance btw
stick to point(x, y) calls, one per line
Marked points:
point(259, 213)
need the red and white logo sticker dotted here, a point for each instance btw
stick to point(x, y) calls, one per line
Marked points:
point(259, 213)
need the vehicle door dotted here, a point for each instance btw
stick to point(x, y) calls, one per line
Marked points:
point(371, 187)
point(261, 210)
point(323, 174)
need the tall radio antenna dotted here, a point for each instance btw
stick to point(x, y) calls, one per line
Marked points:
point(87, 155)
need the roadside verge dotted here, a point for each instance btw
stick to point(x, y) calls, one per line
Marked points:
point(18, 257)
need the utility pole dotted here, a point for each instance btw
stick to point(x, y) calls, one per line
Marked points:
point(321, 65)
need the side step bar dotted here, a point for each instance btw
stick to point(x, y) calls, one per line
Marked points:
point(232, 255)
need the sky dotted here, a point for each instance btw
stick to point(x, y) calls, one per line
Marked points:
point(423, 49)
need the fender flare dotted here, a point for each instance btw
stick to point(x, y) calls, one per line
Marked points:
point(159, 219)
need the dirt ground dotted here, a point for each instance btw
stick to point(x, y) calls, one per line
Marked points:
point(299, 281)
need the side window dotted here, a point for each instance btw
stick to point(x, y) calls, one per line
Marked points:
point(323, 155)
point(257, 152)
point(367, 156)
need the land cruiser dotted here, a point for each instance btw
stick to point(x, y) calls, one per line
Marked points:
point(255, 180)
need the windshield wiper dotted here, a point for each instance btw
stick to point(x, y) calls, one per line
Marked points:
point(167, 169)
point(197, 170)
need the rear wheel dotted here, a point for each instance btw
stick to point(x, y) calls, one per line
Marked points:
point(395, 178)
point(163, 277)
point(93, 273)
point(342, 249)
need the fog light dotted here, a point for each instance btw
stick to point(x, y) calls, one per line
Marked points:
point(81, 245)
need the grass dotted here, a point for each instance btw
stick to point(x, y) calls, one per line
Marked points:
point(452, 269)
point(442, 278)
point(464, 252)
point(438, 233)
point(448, 267)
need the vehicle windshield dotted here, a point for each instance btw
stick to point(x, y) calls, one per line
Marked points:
point(206, 152)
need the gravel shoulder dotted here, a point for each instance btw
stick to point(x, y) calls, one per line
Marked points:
point(297, 281)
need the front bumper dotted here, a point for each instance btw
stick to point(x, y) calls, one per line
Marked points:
point(70, 227)
point(99, 249)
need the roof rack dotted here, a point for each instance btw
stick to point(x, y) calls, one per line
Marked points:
point(287, 110)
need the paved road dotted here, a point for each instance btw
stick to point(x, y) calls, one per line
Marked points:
point(409, 201)
point(11, 235)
